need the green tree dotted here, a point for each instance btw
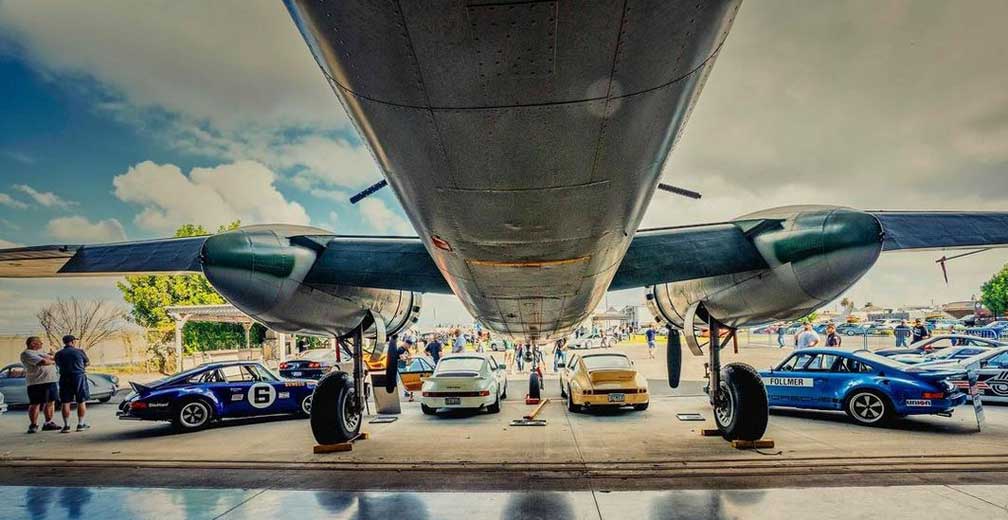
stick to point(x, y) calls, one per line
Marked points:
point(994, 293)
point(150, 295)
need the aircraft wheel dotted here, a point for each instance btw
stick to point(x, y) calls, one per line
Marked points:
point(334, 414)
point(741, 410)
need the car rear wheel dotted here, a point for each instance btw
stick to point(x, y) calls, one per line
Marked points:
point(571, 407)
point(192, 415)
point(504, 393)
point(335, 416)
point(869, 408)
point(427, 410)
point(494, 408)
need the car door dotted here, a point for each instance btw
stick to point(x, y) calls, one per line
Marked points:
point(789, 384)
point(12, 385)
point(240, 399)
point(415, 373)
point(568, 371)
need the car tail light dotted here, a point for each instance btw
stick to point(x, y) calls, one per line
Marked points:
point(314, 365)
point(283, 366)
point(933, 395)
point(484, 393)
point(138, 405)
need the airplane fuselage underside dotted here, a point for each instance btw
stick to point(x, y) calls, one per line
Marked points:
point(523, 140)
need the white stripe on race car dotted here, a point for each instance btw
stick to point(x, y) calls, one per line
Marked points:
point(918, 402)
point(802, 382)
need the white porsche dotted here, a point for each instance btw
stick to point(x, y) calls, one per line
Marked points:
point(465, 381)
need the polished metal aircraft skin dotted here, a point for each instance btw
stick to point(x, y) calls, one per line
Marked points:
point(524, 140)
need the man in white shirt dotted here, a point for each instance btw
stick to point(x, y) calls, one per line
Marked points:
point(41, 378)
point(807, 338)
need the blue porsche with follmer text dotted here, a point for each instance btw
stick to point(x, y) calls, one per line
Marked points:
point(870, 389)
point(212, 392)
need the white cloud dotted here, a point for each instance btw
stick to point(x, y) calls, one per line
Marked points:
point(207, 196)
point(384, 220)
point(328, 162)
point(7, 200)
point(6, 244)
point(79, 230)
point(44, 198)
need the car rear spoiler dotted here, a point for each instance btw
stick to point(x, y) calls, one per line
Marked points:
point(140, 389)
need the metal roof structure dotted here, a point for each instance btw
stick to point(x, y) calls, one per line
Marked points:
point(225, 313)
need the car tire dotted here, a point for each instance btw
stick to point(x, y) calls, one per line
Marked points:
point(868, 407)
point(105, 399)
point(495, 407)
point(334, 417)
point(192, 415)
point(571, 407)
point(306, 404)
point(427, 410)
point(534, 385)
point(641, 407)
point(745, 412)
point(504, 394)
point(563, 391)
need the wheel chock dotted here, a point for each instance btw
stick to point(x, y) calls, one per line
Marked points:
point(339, 446)
point(707, 432)
point(753, 445)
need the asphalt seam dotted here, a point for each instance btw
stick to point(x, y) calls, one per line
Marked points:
point(971, 495)
point(243, 502)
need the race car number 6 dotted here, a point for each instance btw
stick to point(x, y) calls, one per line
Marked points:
point(261, 395)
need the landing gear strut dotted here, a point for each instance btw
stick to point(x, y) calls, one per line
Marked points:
point(736, 393)
point(338, 403)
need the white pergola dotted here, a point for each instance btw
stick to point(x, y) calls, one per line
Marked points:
point(226, 313)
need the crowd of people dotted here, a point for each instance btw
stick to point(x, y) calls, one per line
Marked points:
point(807, 337)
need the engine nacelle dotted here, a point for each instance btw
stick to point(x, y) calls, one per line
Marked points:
point(261, 272)
point(814, 254)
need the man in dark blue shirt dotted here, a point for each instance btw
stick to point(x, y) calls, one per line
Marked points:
point(650, 334)
point(73, 384)
point(434, 350)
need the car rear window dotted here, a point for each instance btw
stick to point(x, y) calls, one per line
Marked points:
point(460, 364)
point(599, 362)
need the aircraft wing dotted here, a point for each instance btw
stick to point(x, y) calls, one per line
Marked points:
point(936, 230)
point(175, 255)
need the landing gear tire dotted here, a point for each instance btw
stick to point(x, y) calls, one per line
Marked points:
point(534, 385)
point(335, 417)
point(427, 410)
point(192, 415)
point(869, 408)
point(741, 410)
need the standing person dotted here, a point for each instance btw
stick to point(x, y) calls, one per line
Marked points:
point(902, 333)
point(41, 379)
point(650, 334)
point(781, 332)
point(807, 338)
point(402, 360)
point(557, 354)
point(73, 384)
point(520, 357)
point(832, 338)
point(458, 346)
point(433, 350)
point(508, 354)
point(920, 331)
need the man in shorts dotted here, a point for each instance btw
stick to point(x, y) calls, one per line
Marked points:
point(73, 383)
point(650, 335)
point(41, 378)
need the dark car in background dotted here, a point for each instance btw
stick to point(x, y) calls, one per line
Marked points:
point(15, 391)
point(310, 364)
point(936, 343)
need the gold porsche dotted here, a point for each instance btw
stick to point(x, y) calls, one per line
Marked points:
point(602, 379)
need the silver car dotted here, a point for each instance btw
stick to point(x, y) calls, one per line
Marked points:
point(12, 385)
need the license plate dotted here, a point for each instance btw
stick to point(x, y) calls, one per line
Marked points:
point(295, 374)
point(452, 400)
point(617, 398)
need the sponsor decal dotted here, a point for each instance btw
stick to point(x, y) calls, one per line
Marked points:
point(798, 382)
point(918, 402)
point(237, 397)
point(158, 405)
point(283, 395)
point(997, 384)
point(294, 383)
point(261, 395)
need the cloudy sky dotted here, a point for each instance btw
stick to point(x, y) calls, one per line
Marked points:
point(123, 120)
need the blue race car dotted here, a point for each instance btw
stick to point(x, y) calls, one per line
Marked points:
point(870, 389)
point(212, 392)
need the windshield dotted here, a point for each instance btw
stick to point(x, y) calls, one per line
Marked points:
point(460, 364)
point(322, 354)
point(599, 362)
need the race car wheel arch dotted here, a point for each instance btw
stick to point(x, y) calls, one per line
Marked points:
point(334, 417)
point(869, 407)
point(192, 414)
point(743, 412)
